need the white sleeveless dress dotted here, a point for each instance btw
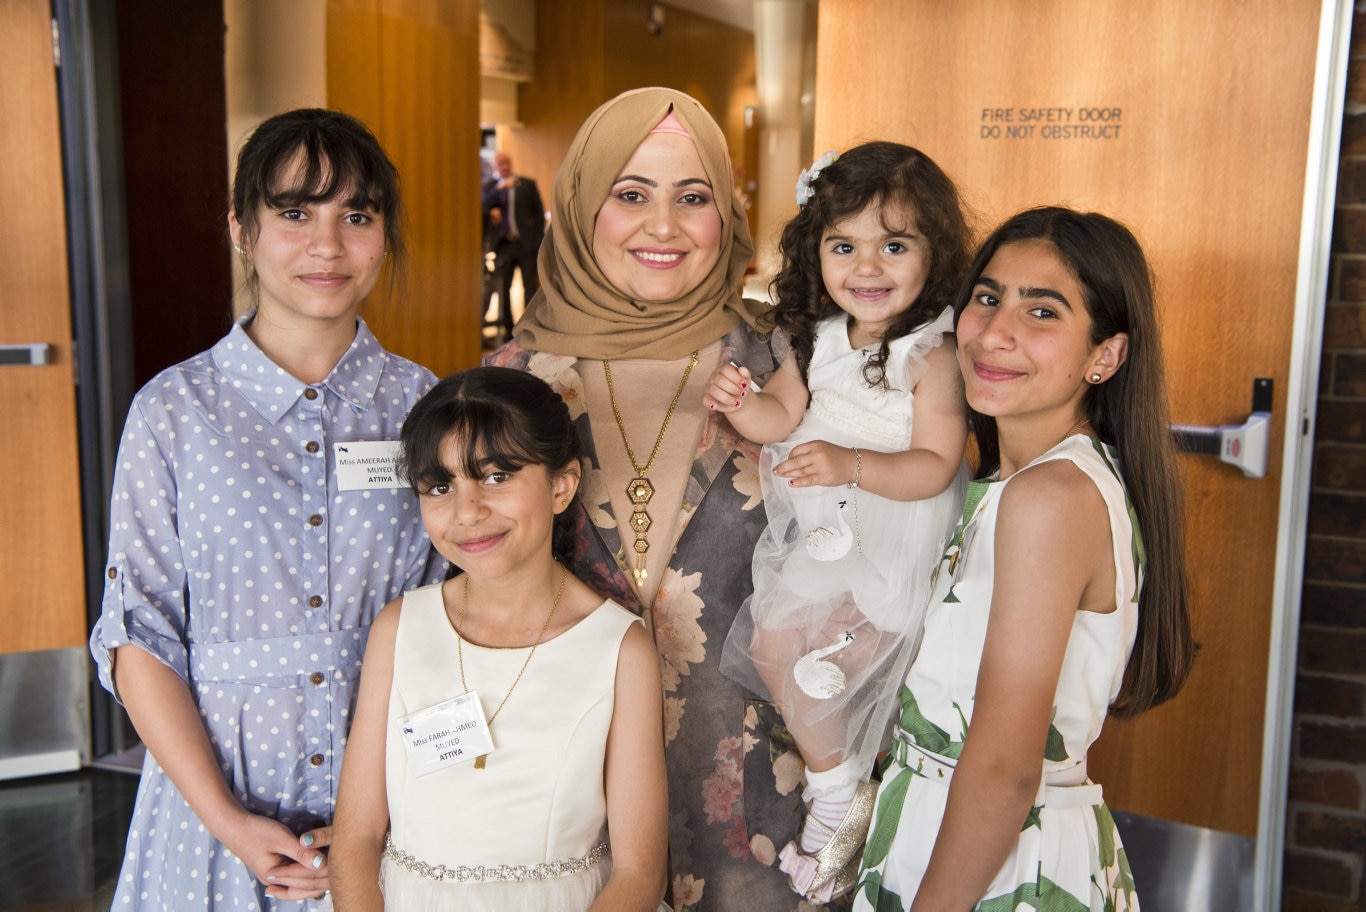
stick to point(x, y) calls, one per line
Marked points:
point(534, 820)
point(1069, 855)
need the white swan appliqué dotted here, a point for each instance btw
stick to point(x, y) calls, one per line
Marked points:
point(820, 678)
point(826, 544)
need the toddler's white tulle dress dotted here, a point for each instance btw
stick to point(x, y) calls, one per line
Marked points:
point(836, 563)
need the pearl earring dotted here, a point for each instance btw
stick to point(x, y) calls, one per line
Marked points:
point(1095, 378)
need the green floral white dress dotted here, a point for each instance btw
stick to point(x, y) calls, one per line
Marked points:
point(1069, 855)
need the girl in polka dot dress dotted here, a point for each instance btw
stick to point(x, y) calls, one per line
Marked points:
point(256, 527)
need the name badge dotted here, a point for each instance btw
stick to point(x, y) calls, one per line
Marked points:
point(445, 735)
point(367, 465)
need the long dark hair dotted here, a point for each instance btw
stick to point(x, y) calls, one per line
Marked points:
point(1129, 411)
point(501, 416)
point(339, 155)
point(893, 177)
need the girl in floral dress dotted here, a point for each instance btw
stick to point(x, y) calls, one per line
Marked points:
point(1062, 597)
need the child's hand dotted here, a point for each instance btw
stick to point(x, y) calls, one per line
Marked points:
point(727, 388)
point(291, 867)
point(817, 463)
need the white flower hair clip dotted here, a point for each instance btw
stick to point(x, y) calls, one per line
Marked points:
point(804, 191)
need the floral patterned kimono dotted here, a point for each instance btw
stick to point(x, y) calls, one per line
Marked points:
point(734, 773)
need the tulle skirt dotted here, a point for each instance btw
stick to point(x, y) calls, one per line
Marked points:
point(841, 582)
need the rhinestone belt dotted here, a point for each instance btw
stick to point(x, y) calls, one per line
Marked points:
point(485, 873)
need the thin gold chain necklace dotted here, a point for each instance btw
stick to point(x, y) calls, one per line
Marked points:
point(1072, 430)
point(640, 490)
point(460, 653)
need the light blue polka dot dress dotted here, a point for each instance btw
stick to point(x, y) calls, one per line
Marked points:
point(241, 559)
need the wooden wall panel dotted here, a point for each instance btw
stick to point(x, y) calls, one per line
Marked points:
point(409, 69)
point(568, 85)
point(1202, 152)
point(711, 61)
point(591, 51)
point(43, 606)
point(175, 157)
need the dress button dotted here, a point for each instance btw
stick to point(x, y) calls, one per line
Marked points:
point(315, 520)
point(311, 446)
point(315, 601)
point(316, 678)
point(315, 760)
point(310, 394)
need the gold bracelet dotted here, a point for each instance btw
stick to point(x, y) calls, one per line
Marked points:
point(858, 469)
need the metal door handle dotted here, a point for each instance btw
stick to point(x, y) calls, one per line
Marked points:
point(35, 353)
point(1243, 445)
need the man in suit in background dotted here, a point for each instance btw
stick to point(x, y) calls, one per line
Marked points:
point(514, 223)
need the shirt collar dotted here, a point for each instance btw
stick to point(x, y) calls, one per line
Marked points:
point(273, 391)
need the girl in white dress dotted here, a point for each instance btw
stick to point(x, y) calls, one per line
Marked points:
point(862, 475)
point(508, 746)
point(1062, 597)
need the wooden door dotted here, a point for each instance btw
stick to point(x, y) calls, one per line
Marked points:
point(41, 563)
point(410, 70)
point(1190, 122)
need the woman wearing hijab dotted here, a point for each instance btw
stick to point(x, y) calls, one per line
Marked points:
point(640, 301)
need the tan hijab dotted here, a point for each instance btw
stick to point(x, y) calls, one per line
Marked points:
point(577, 311)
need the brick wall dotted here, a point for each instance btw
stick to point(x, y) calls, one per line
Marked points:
point(1325, 857)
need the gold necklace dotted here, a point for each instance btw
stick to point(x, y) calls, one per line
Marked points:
point(639, 490)
point(1072, 430)
point(460, 653)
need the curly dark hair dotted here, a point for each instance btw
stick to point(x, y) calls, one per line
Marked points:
point(896, 178)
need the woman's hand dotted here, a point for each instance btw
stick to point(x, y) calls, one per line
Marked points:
point(727, 388)
point(291, 867)
point(818, 463)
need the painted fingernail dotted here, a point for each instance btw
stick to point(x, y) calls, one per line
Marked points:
point(744, 383)
point(737, 403)
point(317, 861)
point(306, 839)
point(270, 877)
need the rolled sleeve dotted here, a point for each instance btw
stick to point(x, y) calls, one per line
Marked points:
point(144, 601)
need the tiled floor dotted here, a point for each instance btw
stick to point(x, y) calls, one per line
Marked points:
point(61, 840)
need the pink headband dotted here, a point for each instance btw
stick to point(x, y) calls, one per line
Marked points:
point(671, 124)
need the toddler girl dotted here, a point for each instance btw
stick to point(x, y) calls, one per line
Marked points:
point(862, 475)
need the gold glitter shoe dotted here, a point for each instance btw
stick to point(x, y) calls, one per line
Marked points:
point(833, 870)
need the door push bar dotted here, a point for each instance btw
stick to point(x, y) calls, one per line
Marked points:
point(1243, 445)
point(36, 353)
